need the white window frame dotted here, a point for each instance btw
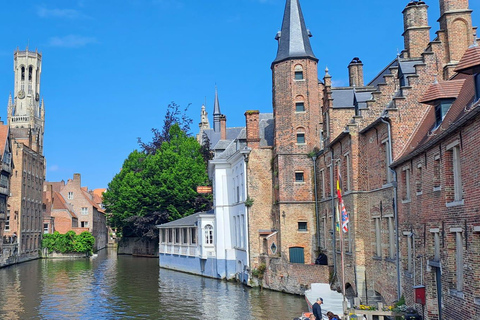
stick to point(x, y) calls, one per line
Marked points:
point(84, 211)
point(70, 195)
point(209, 240)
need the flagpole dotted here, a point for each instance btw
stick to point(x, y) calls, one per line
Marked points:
point(342, 257)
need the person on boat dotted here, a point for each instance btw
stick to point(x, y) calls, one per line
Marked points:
point(317, 309)
point(332, 316)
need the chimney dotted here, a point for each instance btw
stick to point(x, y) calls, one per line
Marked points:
point(223, 127)
point(77, 179)
point(452, 5)
point(416, 35)
point(252, 118)
point(355, 72)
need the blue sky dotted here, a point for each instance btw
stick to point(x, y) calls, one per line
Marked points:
point(110, 67)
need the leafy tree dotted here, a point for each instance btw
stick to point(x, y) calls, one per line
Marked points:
point(69, 242)
point(159, 186)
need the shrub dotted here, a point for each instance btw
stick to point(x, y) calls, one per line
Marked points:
point(68, 242)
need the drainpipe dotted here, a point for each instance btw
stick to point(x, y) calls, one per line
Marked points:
point(314, 158)
point(395, 207)
point(334, 217)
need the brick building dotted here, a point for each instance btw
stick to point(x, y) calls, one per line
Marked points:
point(5, 172)
point(366, 128)
point(26, 120)
point(75, 208)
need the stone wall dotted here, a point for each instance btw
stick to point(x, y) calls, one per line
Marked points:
point(137, 246)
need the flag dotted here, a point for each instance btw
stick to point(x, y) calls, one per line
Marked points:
point(345, 219)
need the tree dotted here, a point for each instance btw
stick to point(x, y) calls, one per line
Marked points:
point(163, 181)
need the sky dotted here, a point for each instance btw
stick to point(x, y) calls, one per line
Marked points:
point(111, 67)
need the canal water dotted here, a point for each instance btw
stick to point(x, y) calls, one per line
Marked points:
point(125, 287)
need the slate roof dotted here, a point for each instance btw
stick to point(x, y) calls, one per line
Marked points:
point(293, 40)
point(188, 221)
point(214, 136)
point(266, 127)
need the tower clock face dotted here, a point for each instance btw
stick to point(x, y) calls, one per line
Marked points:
point(21, 94)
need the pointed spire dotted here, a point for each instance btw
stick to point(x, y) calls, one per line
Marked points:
point(216, 113)
point(10, 99)
point(293, 40)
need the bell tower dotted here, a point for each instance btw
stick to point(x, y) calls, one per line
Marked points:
point(26, 113)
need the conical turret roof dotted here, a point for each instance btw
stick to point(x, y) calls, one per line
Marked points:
point(293, 40)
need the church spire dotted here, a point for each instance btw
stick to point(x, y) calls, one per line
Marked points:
point(293, 40)
point(216, 113)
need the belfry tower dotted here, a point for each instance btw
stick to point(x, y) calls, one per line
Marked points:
point(296, 110)
point(26, 113)
point(26, 119)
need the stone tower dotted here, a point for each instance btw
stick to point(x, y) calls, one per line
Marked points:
point(297, 116)
point(26, 113)
point(26, 119)
point(456, 32)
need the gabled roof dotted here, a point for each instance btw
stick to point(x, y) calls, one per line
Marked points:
point(59, 203)
point(87, 196)
point(443, 90)
point(470, 62)
point(293, 40)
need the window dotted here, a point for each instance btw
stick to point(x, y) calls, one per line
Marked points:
point(209, 234)
point(378, 237)
point(7, 221)
point(84, 224)
point(348, 168)
point(436, 173)
point(193, 236)
point(177, 235)
point(477, 86)
point(441, 110)
point(409, 236)
point(296, 255)
point(298, 72)
point(299, 107)
point(418, 181)
point(70, 195)
point(4, 181)
point(459, 263)
point(164, 235)
point(185, 235)
point(391, 238)
point(453, 173)
point(84, 211)
point(45, 228)
point(302, 226)
point(23, 73)
point(436, 244)
point(406, 184)
point(238, 194)
point(170, 235)
point(322, 181)
point(300, 138)
point(299, 176)
point(388, 160)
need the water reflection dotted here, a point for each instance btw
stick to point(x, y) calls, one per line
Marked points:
point(125, 287)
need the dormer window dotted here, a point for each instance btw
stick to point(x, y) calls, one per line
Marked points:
point(298, 72)
point(477, 86)
point(441, 109)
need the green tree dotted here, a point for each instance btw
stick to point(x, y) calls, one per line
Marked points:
point(158, 186)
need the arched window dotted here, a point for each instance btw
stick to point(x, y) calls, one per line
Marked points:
point(299, 104)
point(30, 71)
point(23, 73)
point(298, 72)
point(208, 234)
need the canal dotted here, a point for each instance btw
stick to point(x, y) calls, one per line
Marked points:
point(125, 287)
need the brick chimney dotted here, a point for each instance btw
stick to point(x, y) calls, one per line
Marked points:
point(416, 33)
point(355, 72)
point(456, 32)
point(252, 118)
point(223, 127)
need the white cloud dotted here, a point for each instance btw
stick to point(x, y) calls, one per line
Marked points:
point(71, 41)
point(54, 168)
point(43, 12)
